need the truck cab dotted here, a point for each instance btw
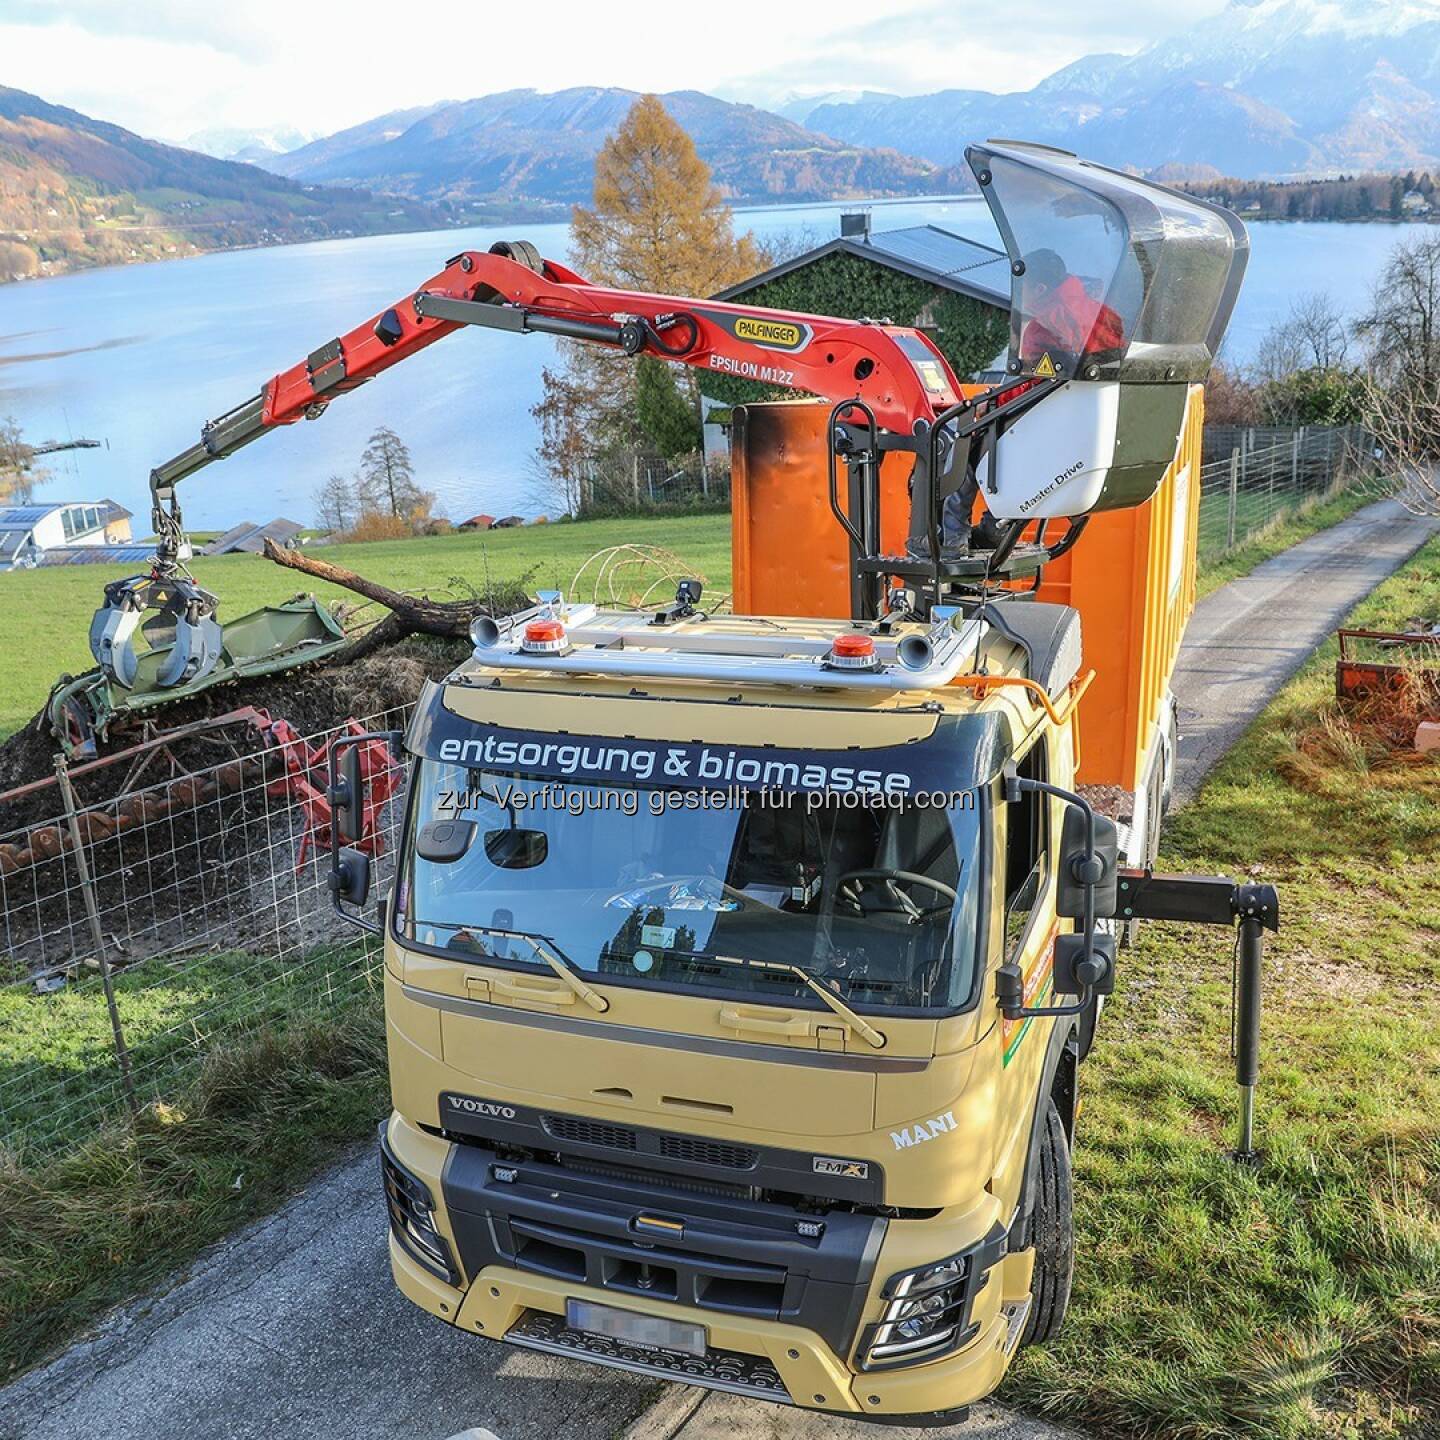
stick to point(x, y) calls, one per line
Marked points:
point(696, 1165)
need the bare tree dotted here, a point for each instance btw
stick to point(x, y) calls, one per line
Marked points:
point(1404, 419)
point(1401, 329)
point(1401, 332)
point(18, 475)
point(1311, 337)
point(337, 505)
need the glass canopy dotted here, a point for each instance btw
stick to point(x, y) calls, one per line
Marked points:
point(1113, 277)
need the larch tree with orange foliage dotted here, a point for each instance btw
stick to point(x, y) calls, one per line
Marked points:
point(658, 223)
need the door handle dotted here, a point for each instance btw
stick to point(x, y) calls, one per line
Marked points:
point(789, 1027)
point(535, 994)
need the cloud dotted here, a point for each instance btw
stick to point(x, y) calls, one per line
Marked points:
point(229, 29)
point(942, 47)
point(169, 68)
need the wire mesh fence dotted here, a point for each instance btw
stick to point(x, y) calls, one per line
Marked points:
point(632, 483)
point(137, 931)
point(1253, 479)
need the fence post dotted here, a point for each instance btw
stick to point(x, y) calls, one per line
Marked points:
point(1295, 461)
point(1234, 495)
point(92, 913)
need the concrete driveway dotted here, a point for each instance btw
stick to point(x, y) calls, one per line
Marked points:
point(293, 1326)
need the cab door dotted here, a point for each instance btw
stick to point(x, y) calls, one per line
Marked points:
point(1026, 844)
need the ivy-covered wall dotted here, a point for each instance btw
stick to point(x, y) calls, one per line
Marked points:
point(970, 334)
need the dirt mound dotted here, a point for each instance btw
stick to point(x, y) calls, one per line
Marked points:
point(210, 841)
point(312, 699)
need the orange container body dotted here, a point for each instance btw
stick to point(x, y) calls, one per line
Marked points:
point(790, 556)
point(1131, 576)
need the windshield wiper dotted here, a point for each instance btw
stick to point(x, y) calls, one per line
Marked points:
point(569, 974)
point(857, 1023)
point(546, 949)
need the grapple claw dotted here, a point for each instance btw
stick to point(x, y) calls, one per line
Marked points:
point(194, 653)
point(182, 628)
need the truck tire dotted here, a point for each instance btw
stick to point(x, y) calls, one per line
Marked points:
point(1052, 1232)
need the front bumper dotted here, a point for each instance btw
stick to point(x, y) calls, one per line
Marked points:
point(789, 1337)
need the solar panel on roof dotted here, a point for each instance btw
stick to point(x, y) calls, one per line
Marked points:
point(23, 515)
point(96, 555)
point(944, 253)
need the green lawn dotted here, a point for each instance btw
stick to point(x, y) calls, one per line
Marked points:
point(125, 1206)
point(1301, 1298)
point(45, 620)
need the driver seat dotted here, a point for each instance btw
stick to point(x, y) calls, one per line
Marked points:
point(919, 841)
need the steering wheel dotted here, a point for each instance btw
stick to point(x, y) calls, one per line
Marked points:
point(674, 882)
point(852, 885)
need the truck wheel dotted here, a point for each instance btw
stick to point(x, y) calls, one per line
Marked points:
point(1052, 1231)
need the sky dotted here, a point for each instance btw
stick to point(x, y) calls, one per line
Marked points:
point(170, 68)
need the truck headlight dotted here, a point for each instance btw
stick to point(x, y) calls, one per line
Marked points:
point(927, 1311)
point(412, 1216)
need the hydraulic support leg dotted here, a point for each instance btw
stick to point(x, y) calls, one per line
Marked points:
point(1213, 900)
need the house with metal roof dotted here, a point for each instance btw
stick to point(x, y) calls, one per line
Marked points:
point(30, 535)
point(927, 253)
point(955, 289)
point(251, 538)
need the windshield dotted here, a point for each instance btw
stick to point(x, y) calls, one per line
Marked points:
point(873, 894)
point(1117, 277)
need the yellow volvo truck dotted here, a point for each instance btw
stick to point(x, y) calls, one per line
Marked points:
point(739, 968)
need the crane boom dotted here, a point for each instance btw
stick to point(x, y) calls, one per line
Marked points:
point(895, 370)
point(894, 373)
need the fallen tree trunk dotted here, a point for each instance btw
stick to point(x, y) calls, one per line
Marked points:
point(409, 614)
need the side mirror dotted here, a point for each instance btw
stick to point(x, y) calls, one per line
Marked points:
point(516, 849)
point(443, 842)
point(1078, 969)
point(350, 877)
point(347, 800)
point(1079, 868)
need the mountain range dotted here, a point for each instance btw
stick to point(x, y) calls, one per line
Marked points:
point(1266, 87)
point(76, 191)
point(521, 144)
point(251, 146)
point(1263, 88)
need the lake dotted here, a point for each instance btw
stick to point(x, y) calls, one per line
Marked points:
point(140, 356)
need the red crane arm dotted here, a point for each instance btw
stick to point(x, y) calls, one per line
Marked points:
point(896, 371)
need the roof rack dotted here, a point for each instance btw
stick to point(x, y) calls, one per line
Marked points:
point(583, 640)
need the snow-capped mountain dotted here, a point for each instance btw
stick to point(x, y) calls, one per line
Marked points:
point(1264, 87)
point(800, 107)
point(253, 146)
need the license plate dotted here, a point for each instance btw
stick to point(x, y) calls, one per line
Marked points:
point(647, 1331)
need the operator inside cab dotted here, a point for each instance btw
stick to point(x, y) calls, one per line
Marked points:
point(1062, 317)
point(1063, 324)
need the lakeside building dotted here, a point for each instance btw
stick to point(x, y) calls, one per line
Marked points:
point(954, 288)
point(66, 532)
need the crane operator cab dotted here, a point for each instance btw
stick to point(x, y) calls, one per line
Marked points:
point(1121, 290)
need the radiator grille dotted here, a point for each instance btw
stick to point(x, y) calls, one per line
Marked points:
point(590, 1132)
point(687, 1149)
point(697, 1151)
